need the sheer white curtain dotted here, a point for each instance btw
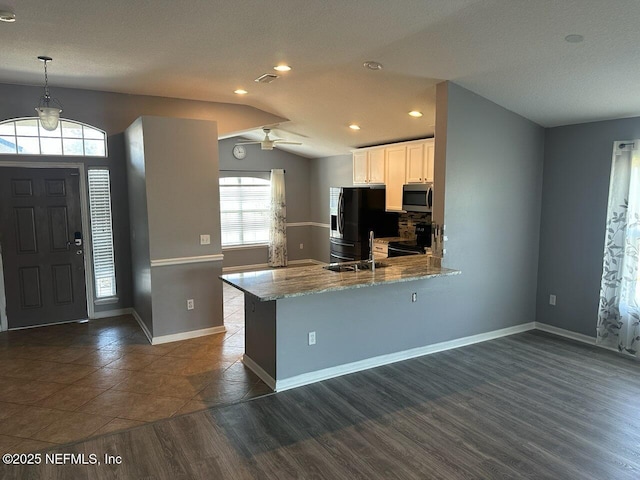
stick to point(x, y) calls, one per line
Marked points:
point(278, 227)
point(619, 312)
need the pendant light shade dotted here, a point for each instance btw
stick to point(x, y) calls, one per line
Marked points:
point(49, 109)
point(49, 117)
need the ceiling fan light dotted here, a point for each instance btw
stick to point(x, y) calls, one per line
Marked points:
point(49, 117)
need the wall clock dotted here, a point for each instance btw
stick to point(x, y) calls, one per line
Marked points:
point(239, 152)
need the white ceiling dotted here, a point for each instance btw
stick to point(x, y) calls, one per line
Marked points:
point(510, 51)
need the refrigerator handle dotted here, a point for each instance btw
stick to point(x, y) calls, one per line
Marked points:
point(340, 213)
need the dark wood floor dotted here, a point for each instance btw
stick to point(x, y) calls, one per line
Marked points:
point(526, 406)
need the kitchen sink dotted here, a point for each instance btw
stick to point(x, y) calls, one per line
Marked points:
point(353, 267)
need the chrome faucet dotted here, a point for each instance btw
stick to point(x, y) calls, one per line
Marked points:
point(371, 259)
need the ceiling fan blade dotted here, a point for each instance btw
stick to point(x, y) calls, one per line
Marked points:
point(284, 142)
point(249, 143)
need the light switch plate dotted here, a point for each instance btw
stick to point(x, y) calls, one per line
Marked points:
point(205, 239)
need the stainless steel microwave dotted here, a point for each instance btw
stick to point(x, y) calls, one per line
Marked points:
point(417, 197)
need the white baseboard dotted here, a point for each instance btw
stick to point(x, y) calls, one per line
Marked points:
point(175, 337)
point(324, 374)
point(259, 371)
point(265, 266)
point(565, 333)
point(112, 313)
point(142, 325)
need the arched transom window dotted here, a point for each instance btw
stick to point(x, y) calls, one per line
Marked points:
point(25, 136)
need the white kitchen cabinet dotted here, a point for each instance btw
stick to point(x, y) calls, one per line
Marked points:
point(395, 167)
point(360, 167)
point(369, 167)
point(420, 162)
point(376, 166)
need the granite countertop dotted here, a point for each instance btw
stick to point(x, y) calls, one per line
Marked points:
point(297, 281)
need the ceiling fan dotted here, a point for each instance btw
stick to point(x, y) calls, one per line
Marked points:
point(268, 143)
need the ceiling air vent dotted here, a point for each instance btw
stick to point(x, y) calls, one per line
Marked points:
point(266, 78)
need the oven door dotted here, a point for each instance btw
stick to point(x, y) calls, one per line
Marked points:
point(398, 251)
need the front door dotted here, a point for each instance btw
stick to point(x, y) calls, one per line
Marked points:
point(42, 246)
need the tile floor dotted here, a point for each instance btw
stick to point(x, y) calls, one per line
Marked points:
point(67, 382)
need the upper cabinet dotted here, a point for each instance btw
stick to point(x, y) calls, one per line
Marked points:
point(395, 174)
point(394, 165)
point(420, 162)
point(368, 167)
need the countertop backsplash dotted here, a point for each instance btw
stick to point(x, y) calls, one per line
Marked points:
point(407, 223)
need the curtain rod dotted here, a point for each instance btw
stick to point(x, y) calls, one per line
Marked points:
point(250, 171)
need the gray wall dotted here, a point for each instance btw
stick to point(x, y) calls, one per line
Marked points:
point(492, 190)
point(380, 320)
point(179, 160)
point(336, 171)
point(297, 193)
point(114, 112)
point(139, 240)
point(577, 167)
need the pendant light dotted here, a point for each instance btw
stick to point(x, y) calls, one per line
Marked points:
point(49, 109)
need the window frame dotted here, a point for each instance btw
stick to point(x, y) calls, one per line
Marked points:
point(254, 176)
point(51, 136)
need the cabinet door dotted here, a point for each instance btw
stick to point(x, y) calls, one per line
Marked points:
point(360, 168)
point(376, 165)
point(415, 163)
point(429, 148)
point(395, 173)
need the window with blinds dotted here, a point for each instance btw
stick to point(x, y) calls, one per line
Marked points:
point(104, 270)
point(244, 210)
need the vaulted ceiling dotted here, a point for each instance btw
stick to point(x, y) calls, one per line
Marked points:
point(512, 52)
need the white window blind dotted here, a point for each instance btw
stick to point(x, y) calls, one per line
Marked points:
point(104, 270)
point(244, 210)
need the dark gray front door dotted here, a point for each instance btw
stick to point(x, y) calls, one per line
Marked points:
point(43, 268)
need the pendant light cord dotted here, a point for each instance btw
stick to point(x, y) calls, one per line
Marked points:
point(46, 83)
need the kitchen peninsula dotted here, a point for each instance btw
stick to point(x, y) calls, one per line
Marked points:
point(307, 324)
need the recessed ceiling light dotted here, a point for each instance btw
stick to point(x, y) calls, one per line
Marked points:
point(353, 126)
point(371, 65)
point(415, 113)
point(574, 38)
point(7, 16)
point(240, 91)
point(282, 68)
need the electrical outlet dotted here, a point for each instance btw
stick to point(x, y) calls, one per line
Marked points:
point(312, 338)
point(190, 304)
point(552, 300)
point(205, 239)
point(301, 246)
point(414, 297)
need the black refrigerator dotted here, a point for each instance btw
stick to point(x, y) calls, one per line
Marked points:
point(354, 212)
